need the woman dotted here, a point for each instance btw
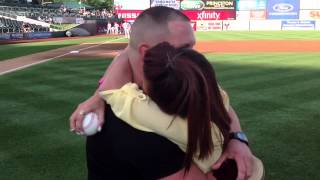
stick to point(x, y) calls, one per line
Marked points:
point(181, 83)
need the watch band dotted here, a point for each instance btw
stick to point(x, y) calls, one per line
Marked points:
point(241, 136)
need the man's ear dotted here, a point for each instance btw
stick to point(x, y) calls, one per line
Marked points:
point(142, 49)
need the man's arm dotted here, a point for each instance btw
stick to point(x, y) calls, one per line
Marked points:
point(235, 122)
point(237, 150)
point(117, 74)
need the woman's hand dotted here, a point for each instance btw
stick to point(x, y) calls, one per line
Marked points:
point(241, 153)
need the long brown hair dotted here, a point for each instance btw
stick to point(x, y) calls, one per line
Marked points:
point(182, 82)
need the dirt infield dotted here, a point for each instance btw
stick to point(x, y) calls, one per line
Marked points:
point(91, 51)
point(258, 46)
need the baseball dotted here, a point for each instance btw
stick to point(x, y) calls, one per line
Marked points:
point(90, 124)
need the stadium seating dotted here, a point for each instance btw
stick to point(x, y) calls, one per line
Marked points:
point(51, 13)
point(8, 25)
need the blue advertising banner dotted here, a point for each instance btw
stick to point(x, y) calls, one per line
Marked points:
point(38, 35)
point(298, 25)
point(283, 9)
point(16, 36)
point(5, 36)
point(245, 5)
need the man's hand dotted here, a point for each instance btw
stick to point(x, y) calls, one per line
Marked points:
point(241, 153)
point(117, 74)
point(93, 104)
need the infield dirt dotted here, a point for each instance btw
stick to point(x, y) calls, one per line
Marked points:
point(111, 49)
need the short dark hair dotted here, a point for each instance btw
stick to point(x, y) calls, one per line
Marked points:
point(162, 14)
point(153, 19)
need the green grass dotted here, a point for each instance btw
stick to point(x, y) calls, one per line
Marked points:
point(35, 138)
point(17, 50)
point(277, 97)
point(258, 35)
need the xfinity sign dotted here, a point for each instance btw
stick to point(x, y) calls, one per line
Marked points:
point(203, 15)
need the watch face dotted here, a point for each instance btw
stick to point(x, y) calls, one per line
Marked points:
point(242, 136)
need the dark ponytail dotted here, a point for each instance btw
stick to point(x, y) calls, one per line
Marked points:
point(182, 82)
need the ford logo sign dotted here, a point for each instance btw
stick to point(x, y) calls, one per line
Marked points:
point(283, 7)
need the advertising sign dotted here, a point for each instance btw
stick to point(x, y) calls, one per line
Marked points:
point(258, 15)
point(208, 4)
point(168, 3)
point(211, 15)
point(309, 14)
point(283, 9)
point(298, 25)
point(38, 35)
point(16, 36)
point(79, 20)
point(128, 15)
point(131, 4)
point(209, 25)
point(247, 5)
point(5, 36)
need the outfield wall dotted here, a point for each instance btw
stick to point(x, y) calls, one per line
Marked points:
point(236, 15)
point(257, 25)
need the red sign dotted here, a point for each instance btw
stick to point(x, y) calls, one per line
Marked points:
point(211, 15)
point(128, 15)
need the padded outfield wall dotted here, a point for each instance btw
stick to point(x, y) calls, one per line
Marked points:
point(235, 15)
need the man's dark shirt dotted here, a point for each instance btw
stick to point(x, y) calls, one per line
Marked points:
point(121, 152)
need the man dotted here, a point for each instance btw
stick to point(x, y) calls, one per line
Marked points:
point(141, 149)
point(126, 28)
point(109, 28)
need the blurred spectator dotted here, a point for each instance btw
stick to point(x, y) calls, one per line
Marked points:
point(109, 28)
point(116, 28)
point(126, 28)
point(26, 28)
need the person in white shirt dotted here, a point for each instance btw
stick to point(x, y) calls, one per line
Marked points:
point(116, 28)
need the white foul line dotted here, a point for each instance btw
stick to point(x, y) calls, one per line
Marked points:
point(49, 59)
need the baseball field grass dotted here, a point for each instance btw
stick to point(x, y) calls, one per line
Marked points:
point(17, 50)
point(258, 35)
point(276, 95)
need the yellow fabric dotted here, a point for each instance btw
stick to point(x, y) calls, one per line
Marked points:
point(138, 110)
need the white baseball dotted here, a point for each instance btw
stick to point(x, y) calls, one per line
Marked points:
point(90, 124)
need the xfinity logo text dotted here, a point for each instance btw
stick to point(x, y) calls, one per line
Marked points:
point(203, 15)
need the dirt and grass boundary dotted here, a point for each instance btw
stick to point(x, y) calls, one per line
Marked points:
point(111, 48)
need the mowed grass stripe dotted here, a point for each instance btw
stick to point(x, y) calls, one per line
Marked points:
point(17, 50)
point(258, 35)
point(277, 99)
point(277, 106)
point(36, 104)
